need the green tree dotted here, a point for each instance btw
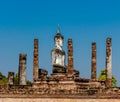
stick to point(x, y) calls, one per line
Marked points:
point(3, 79)
point(29, 82)
point(102, 76)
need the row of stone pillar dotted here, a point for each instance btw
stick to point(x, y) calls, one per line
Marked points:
point(108, 69)
point(71, 61)
point(22, 63)
point(94, 61)
point(21, 72)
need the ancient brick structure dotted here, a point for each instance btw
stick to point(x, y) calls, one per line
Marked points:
point(93, 63)
point(22, 69)
point(108, 62)
point(35, 60)
point(70, 58)
point(64, 81)
point(10, 78)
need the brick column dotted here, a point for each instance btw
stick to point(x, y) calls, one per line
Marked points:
point(70, 58)
point(35, 60)
point(93, 62)
point(10, 78)
point(22, 69)
point(108, 62)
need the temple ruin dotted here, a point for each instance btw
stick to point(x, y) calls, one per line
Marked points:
point(64, 79)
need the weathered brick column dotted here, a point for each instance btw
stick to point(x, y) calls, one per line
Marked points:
point(93, 62)
point(36, 60)
point(10, 78)
point(108, 62)
point(70, 58)
point(22, 69)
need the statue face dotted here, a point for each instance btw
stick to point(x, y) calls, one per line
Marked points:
point(58, 42)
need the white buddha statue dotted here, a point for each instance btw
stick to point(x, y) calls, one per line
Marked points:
point(58, 55)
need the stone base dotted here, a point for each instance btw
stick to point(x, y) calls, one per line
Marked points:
point(58, 74)
point(59, 69)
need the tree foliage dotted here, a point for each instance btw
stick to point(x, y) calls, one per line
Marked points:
point(29, 82)
point(3, 79)
point(102, 76)
point(16, 79)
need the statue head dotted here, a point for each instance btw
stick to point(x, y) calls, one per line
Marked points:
point(58, 39)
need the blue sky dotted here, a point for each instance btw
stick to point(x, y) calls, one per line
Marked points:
point(85, 21)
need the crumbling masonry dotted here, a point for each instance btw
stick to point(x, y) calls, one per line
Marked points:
point(10, 78)
point(70, 58)
point(93, 70)
point(36, 60)
point(22, 69)
point(64, 79)
point(109, 62)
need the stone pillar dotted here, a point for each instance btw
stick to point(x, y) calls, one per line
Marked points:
point(108, 62)
point(70, 58)
point(22, 69)
point(10, 78)
point(36, 60)
point(93, 62)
